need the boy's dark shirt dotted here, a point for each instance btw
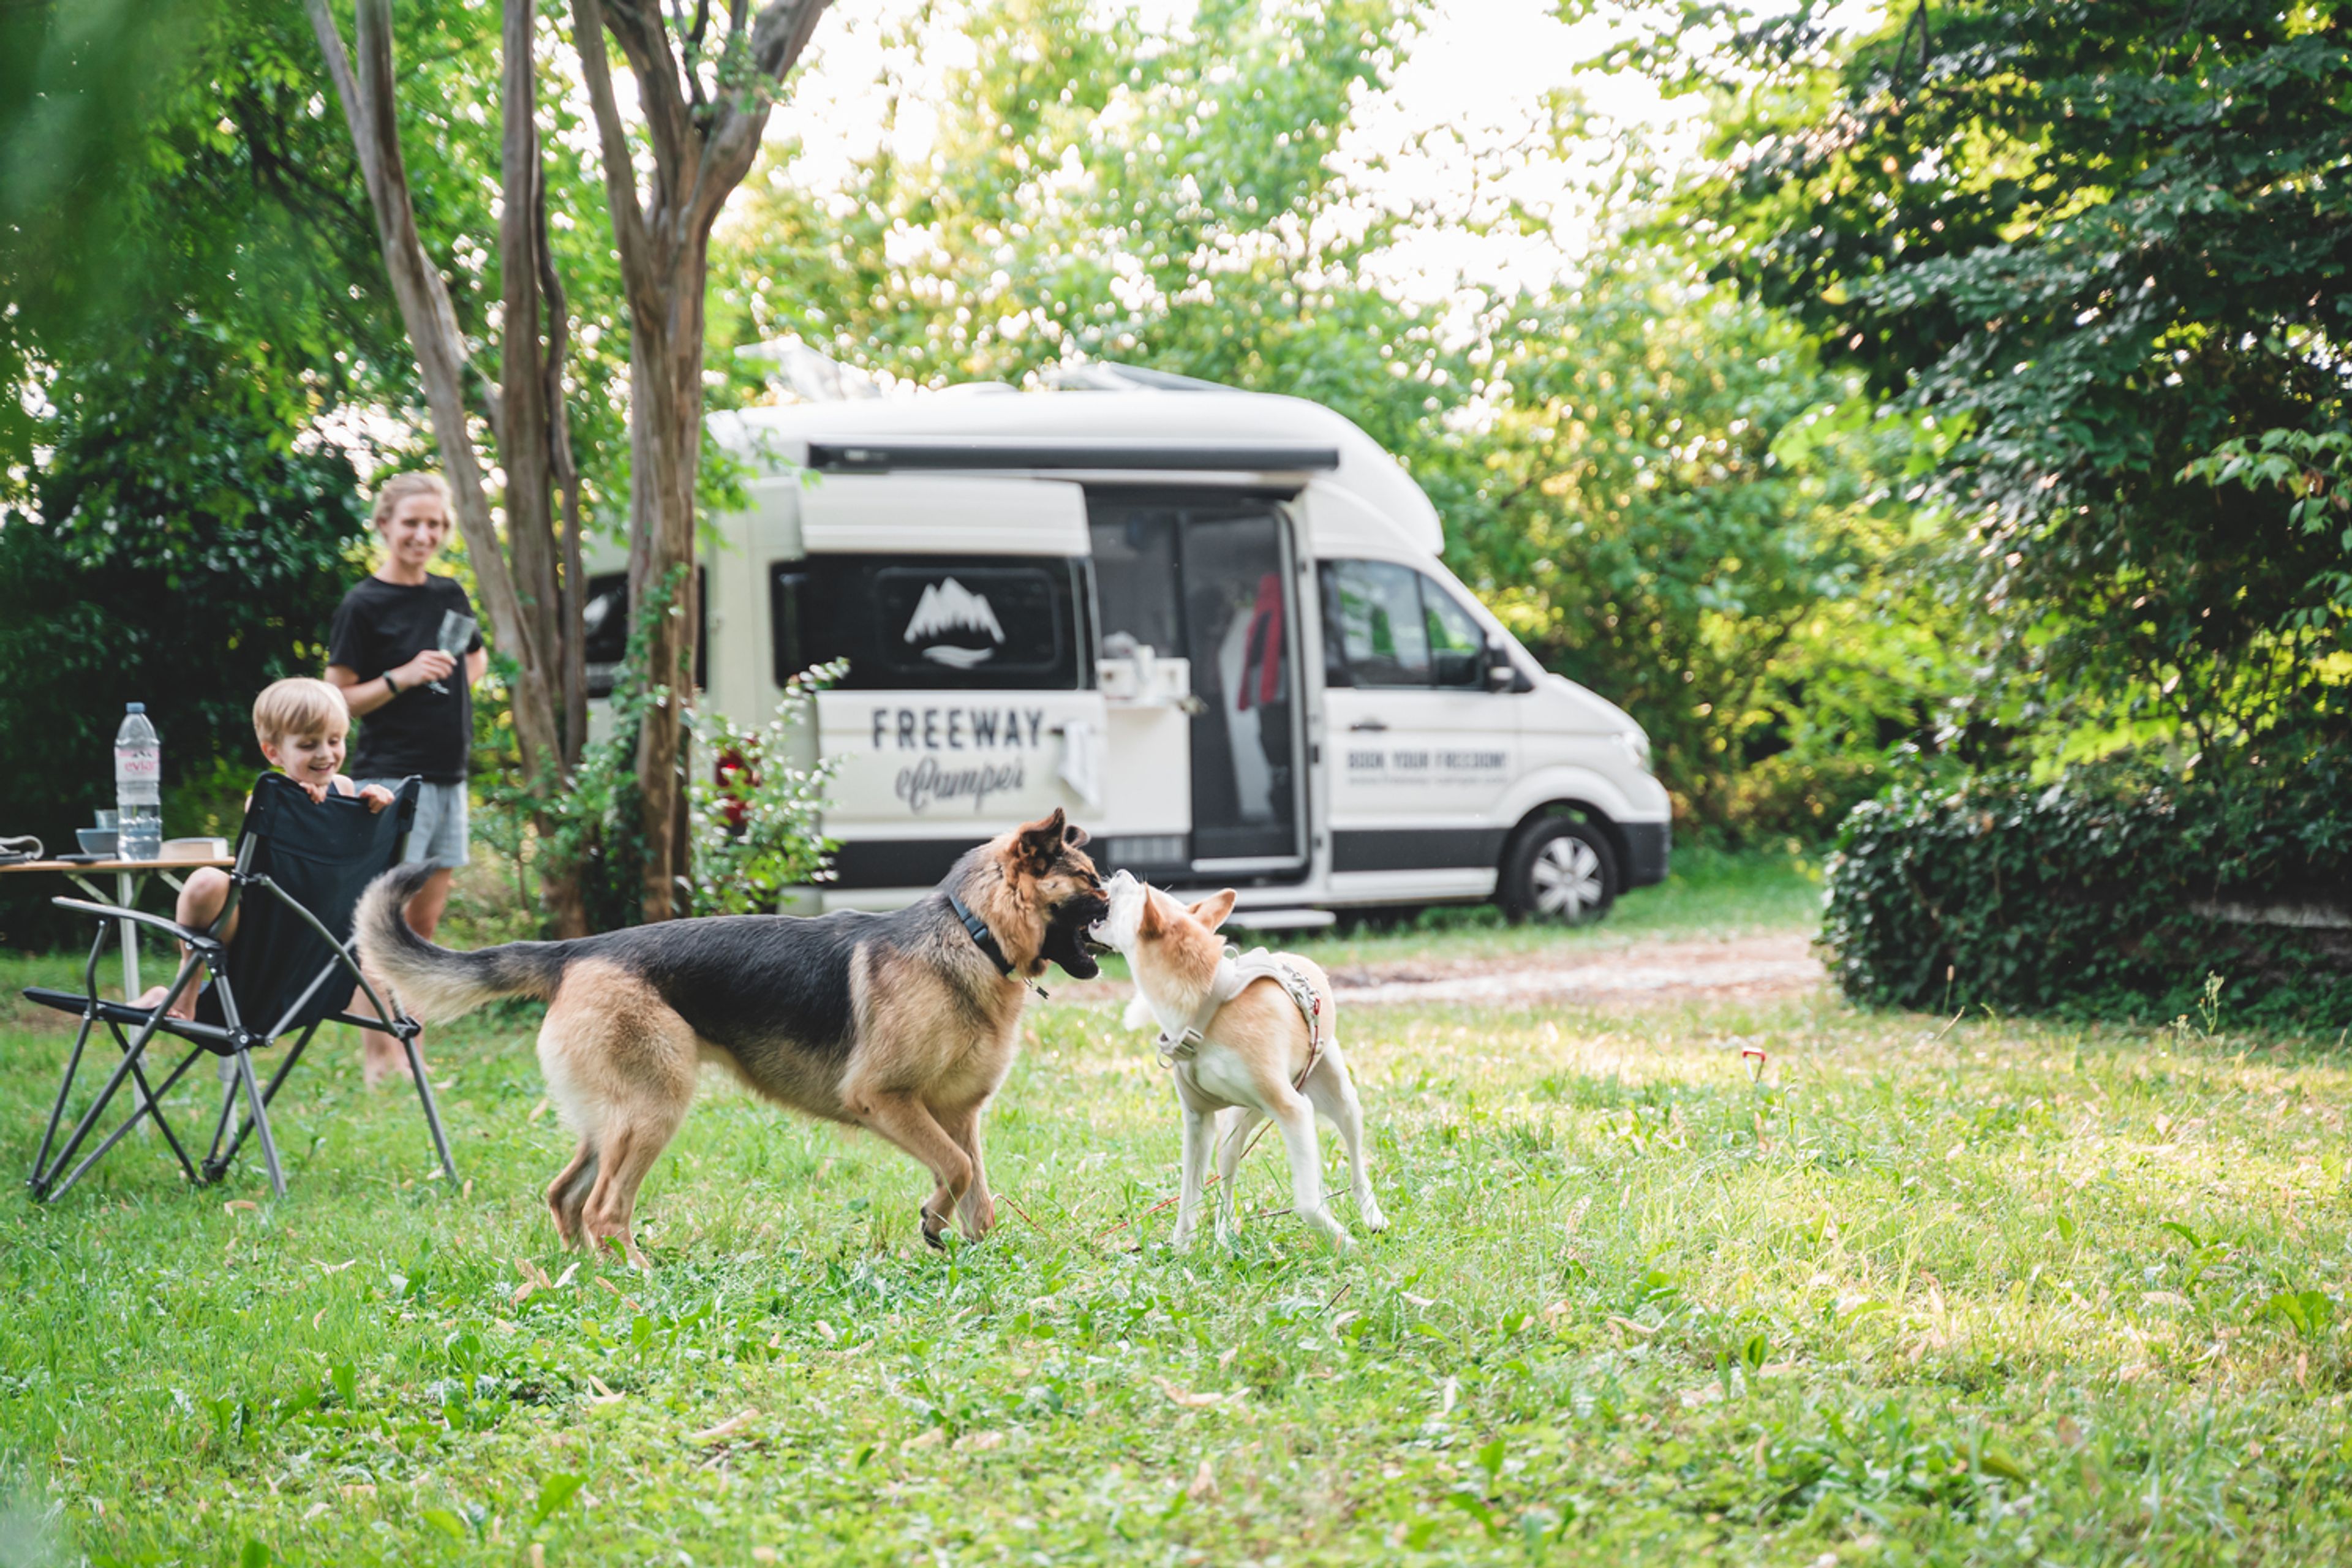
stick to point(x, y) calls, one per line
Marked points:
point(382, 625)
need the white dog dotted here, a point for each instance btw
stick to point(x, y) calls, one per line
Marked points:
point(1255, 1035)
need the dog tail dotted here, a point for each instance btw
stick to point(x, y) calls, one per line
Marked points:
point(432, 982)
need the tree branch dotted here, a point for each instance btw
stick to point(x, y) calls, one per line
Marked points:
point(369, 102)
point(629, 236)
point(779, 36)
point(669, 121)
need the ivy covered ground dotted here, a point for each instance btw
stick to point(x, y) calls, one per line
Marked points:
point(1924, 1291)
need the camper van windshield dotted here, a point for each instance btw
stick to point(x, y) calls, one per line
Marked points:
point(928, 622)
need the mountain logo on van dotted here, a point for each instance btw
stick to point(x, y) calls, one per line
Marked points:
point(947, 607)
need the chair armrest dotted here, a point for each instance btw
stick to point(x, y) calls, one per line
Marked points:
point(196, 940)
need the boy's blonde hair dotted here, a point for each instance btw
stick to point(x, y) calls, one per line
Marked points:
point(400, 486)
point(300, 706)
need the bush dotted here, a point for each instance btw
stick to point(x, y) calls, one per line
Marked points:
point(185, 545)
point(754, 814)
point(2105, 894)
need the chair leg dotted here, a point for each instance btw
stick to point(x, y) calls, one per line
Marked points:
point(432, 1111)
point(219, 1161)
point(153, 1107)
point(82, 1131)
point(42, 1169)
point(260, 1114)
point(150, 1104)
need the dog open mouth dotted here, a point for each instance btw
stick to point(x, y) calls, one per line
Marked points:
point(1070, 940)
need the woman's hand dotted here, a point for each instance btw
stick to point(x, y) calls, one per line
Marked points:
point(430, 665)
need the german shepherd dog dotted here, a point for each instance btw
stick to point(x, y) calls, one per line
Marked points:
point(900, 1023)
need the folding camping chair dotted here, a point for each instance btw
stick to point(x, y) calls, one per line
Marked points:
point(300, 867)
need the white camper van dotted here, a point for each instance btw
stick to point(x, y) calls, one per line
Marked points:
point(1210, 625)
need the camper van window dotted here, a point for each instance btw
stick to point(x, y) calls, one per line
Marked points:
point(1136, 576)
point(604, 616)
point(1374, 614)
point(930, 622)
point(1457, 647)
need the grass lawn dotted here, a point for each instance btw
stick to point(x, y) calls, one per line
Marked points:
point(1995, 1292)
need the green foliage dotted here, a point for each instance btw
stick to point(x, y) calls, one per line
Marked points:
point(2102, 893)
point(180, 509)
point(2095, 243)
point(594, 821)
point(1094, 190)
point(755, 814)
point(1673, 504)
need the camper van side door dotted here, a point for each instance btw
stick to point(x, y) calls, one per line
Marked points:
point(1423, 745)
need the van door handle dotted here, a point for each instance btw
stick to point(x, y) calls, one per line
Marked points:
point(1369, 724)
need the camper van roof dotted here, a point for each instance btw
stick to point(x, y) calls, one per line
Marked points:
point(1156, 429)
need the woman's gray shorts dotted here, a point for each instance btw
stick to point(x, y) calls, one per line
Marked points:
point(439, 832)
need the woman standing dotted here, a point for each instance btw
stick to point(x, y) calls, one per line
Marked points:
point(416, 706)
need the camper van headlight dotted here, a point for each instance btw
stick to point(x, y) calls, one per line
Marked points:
point(1637, 746)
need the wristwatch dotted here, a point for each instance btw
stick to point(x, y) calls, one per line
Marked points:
point(390, 684)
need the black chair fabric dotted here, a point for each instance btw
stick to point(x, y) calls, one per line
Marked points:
point(322, 854)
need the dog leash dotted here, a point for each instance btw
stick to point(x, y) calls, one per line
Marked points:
point(1236, 974)
point(986, 941)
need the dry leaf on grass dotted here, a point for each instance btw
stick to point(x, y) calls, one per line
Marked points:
point(930, 1439)
point(726, 1428)
point(1204, 1484)
point(1192, 1401)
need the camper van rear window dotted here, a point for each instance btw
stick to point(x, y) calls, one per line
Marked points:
point(924, 623)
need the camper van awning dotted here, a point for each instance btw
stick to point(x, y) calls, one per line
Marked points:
point(982, 452)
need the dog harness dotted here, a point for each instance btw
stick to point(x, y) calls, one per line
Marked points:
point(985, 940)
point(1236, 973)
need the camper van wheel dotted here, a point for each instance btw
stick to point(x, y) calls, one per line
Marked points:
point(1560, 869)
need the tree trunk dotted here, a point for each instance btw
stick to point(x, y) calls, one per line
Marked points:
point(520, 596)
point(703, 125)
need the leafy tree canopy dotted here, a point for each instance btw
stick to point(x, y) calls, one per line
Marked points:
point(2095, 243)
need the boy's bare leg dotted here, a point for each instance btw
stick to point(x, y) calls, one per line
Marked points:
point(199, 905)
point(380, 1057)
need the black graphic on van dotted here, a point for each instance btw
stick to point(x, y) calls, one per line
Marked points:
point(959, 623)
point(949, 608)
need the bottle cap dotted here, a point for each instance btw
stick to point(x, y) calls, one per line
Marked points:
point(134, 708)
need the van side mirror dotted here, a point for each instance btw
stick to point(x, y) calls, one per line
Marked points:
point(1502, 674)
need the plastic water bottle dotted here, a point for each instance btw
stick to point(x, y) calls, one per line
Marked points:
point(138, 786)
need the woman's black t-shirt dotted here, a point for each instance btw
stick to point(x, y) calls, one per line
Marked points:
point(382, 625)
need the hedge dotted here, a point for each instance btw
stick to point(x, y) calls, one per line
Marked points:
point(2115, 892)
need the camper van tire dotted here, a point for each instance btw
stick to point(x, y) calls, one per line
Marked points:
point(1560, 868)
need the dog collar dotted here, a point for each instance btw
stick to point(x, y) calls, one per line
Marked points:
point(985, 940)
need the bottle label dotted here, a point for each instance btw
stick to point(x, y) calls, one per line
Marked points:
point(138, 765)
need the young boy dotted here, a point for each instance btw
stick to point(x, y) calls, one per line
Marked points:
point(301, 724)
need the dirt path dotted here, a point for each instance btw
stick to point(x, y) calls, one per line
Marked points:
point(1745, 967)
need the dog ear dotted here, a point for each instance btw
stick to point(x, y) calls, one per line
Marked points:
point(1211, 910)
point(1074, 836)
point(1040, 842)
point(1151, 923)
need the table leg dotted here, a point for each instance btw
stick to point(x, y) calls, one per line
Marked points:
point(126, 896)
